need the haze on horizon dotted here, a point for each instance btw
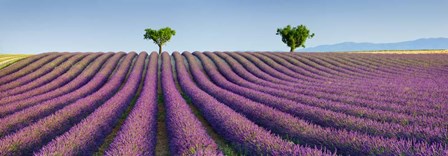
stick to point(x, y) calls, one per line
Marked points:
point(29, 26)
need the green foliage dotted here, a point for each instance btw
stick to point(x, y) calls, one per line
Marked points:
point(160, 37)
point(294, 37)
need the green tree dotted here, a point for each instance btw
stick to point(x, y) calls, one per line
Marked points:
point(294, 37)
point(160, 37)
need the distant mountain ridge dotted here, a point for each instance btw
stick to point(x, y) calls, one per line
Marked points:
point(424, 43)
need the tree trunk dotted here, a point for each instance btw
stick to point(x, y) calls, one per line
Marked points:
point(292, 49)
point(160, 49)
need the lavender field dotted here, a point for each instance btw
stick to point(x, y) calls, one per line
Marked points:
point(224, 103)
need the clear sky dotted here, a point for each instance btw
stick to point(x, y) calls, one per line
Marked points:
point(33, 26)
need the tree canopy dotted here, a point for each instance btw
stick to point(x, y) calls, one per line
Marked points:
point(294, 37)
point(160, 37)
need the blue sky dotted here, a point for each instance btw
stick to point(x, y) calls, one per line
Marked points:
point(33, 26)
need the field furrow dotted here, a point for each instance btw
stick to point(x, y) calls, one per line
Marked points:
point(224, 103)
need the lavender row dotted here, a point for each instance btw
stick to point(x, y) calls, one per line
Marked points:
point(371, 105)
point(186, 134)
point(338, 84)
point(73, 88)
point(283, 66)
point(32, 137)
point(423, 60)
point(418, 72)
point(378, 62)
point(52, 78)
point(300, 64)
point(28, 69)
point(306, 64)
point(267, 72)
point(363, 65)
point(310, 100)
point(339, 120)
point(61, 62)
point(254, 69)
point(268, 61)
point(64, 84)
point(318, 75)
point(401, 100)
point(410, 65)
point(401, 75)
point(302, 59)
point(29, 115)
point(297, 75)
point(382, 62)
point(334, 95)
point(85, 137)
point(21, 64)
point(338, 68)
point(300, 90)
point(235, 128)
point(392, 65)
point(363, 61)
point(322, 68)
point(422, 102)
point(332, 64)
point(353, 66)
point(274, 70)
point(422, 90)
point(348, 143)
point(268, 69)
point(386, 67)
point(137, 136)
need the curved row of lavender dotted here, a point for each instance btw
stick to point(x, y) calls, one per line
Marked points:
point(311, 99)
point(21, 64)
point(401, 72)
point(344, 141)
point(266, 72)
point(417, 101)
point(333, 84)
point(316, 65)
point(30, 68)
point(335, 96)
point(85, 137)
point(27, 116)
point(36, 135)
point(71, 91)
point(435, 111)
point(251, 73)
point(410, 109)
point(360, 85)
point(35, 88)
point(279, 75)
point(186, 134)
point(340, 120)
point(259, 103)
point(137, 136)
point(64, 68)
point(243, 134)
point(429, 62)
point(43, 70)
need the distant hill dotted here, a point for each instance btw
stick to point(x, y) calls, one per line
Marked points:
point(424, 43)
